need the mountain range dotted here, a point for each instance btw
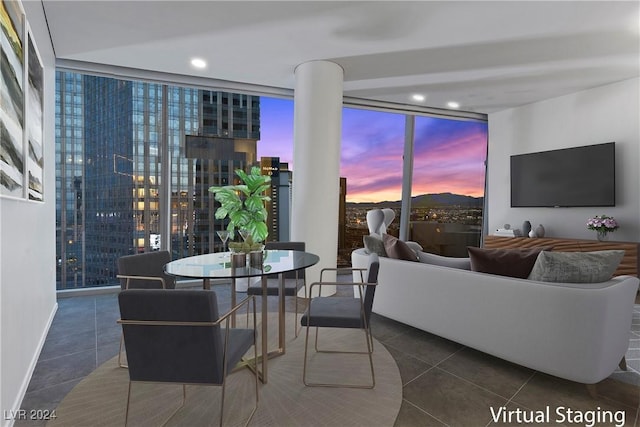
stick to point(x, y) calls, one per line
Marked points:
point(428, 200)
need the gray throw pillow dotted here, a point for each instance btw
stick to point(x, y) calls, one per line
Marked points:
point(576, 267)
point(374, 245)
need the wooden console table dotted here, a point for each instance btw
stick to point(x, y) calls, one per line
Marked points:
point(630, 264)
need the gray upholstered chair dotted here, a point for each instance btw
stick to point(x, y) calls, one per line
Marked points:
point(293, 280)
point(178, 337)
point(143, 271)
point(342, 312)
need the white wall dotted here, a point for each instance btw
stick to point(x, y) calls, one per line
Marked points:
point(27, 255)
point(604, 114)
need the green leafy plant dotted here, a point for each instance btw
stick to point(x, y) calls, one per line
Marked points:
point(243, 204)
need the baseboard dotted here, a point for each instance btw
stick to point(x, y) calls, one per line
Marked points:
point(10, 416)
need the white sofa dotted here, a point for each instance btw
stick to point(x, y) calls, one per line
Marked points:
point(575, 331)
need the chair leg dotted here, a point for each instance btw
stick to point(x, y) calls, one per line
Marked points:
point(126, 413)
point(295, 325)
point(369, 352)
point(120, 364)
point(255, 371)
point(304, 366)
point(255, 357)
point(222, 401)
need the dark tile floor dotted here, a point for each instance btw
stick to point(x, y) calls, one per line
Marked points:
point(445, 384)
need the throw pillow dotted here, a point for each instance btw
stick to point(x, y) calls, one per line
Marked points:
point(444, 261)
point(503, 262)
point(576, 267)
point(398, 249)
point(374, 245)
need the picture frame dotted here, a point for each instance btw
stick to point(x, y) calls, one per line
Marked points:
point(12, 92)
point(34, 113)
point(21, 107)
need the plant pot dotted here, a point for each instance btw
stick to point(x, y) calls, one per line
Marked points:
point(238, 260)
point(256, 258)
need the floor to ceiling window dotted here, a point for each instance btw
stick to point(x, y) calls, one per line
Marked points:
point(136, 160)
point(447, 192)
point(371, 165)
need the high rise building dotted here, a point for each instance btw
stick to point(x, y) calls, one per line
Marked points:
point(110, 136)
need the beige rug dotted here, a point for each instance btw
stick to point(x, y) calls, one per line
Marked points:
point(100, 399)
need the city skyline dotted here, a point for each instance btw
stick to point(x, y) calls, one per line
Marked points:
point(449, 154)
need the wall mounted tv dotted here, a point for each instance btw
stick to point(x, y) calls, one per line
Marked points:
point(570, 177)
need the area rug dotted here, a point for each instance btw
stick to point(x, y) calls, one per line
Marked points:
point(100, 399)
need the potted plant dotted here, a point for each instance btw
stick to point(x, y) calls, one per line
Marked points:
point(243, 204)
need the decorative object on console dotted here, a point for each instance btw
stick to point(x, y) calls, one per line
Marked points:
point(526, 228)
point(507, 232)
point(532, 234)
point(576, 267)
point(540, 231)
point(603, 225)
point(504, 262)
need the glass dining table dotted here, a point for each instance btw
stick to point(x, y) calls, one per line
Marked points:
point(219, 266)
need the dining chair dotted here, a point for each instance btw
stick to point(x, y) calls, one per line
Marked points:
point(342, 312)
point(143, 271)
point(293, 281)
point(179, 337)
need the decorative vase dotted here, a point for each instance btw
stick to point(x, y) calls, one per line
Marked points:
point(526, 228)
point(540, 231)
point(532, 233)
point(603, 236)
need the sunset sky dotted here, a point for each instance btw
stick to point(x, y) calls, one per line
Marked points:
point(449, 154)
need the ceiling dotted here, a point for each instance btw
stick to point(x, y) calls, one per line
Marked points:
point(487, 56)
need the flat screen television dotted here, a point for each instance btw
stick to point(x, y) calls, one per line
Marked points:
point(570, 177)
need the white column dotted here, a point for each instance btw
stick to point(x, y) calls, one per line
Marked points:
point(317, 132)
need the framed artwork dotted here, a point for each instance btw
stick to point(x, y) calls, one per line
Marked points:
point(21, 107)
point(12, 155)
point(34, 129)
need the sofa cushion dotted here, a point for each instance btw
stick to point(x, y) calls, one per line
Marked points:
point(576, 267)
point(503, 262)
point(374, 245)
point(398, 249)
point(444, 261)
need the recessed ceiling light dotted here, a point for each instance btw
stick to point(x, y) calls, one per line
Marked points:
point(418, 97)
point(453, 104)
point(198, 63)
